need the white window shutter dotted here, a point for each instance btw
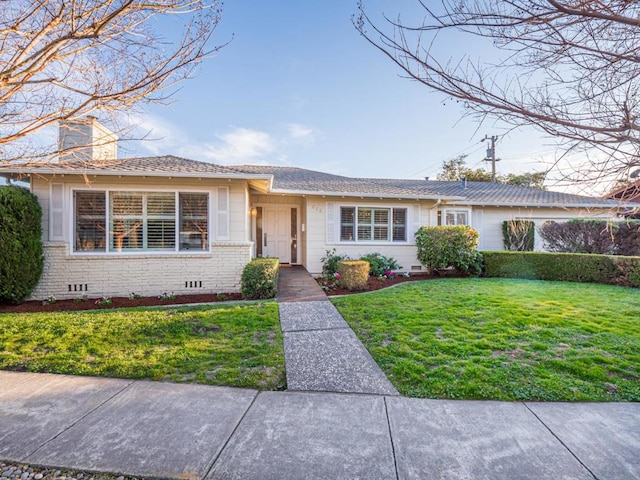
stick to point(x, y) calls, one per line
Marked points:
point(331, 223)
point(415, 222)
point(56, 212)
point(222, 213)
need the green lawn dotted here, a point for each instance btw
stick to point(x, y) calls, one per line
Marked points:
point(503, 339)
point(235, 345)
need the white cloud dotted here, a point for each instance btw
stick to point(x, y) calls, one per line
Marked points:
point(297, 131)
point(234, 146)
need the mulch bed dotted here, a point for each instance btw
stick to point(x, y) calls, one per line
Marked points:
point(116, 302)
point(124, 302)
point(374, 283)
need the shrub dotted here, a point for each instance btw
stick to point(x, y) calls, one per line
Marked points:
point(379, 264)
point(571, 267)
point(353, 274)
point(627, 238)
point(21, 253)
point(330, 262)
point(579, 236)
point(260, 279)
point(449, 246)
point(518, 235)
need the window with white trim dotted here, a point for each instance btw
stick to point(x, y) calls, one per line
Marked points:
point(373, 224)
point(140, 221)
point(456, 217)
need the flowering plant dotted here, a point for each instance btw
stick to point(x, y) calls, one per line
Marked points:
point(167, 296)
point(82, 298)
point(337, 276)
point(103, 301)
point(50, 300)
point(134, 295)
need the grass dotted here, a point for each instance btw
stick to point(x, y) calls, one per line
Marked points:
point(503, 339)
point(238, 345)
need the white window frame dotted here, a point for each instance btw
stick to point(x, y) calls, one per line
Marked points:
point(133, 252)
point(356, 241)
point(466, 211)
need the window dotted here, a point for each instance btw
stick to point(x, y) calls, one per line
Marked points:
point(367, 224)
point(91, 226)
point(194, 224)
point(140, 221)
point(456, 217)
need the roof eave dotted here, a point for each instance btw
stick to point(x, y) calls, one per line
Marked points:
point(538, 204)
point(321, 193)
point(129, 173)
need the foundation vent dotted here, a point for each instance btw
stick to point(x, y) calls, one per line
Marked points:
point(78, 287)
point(416, 267)
point(193, 284)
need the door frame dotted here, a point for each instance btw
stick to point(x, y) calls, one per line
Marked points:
point(278, 206)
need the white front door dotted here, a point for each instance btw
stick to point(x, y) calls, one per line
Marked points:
point(277, 233)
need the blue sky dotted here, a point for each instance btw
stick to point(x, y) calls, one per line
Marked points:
point(297, 85)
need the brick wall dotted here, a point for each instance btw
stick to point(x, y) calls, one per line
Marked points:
point(145, 274)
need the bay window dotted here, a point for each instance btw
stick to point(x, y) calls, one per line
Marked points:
point(140, 221)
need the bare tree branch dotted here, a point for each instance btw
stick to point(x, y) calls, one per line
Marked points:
point(570, 68)
point(64, 59)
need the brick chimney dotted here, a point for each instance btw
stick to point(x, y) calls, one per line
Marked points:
point(86, 140)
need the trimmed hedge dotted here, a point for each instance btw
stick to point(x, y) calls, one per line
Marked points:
point(260, 279)
point(21, 251)
point(354, 274)
point(569, 267)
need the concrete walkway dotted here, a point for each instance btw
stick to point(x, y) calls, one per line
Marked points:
point(322, 353)
point(186, 431)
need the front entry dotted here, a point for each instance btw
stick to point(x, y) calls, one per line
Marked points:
point(279, 233)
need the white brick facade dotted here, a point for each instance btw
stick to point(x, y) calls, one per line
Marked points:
point(71, 276)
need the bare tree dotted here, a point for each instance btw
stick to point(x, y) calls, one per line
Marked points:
point(570, 68)
point(64, 59)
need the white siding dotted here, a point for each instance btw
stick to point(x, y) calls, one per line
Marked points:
point(147, 274)
point(318, 239)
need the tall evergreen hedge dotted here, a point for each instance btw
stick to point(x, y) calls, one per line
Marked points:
point(21, 255)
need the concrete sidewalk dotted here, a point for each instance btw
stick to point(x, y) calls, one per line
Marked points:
point(194, 432)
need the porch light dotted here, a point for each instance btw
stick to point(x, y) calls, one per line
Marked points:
point(253, 212)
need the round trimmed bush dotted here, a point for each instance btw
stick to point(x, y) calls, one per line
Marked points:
point(21, 255)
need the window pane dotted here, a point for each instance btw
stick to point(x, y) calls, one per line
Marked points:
point(399, 224)
point(126, 221)
point(381, 216)
point(450, 219)
point(90, 222)
point(161, 204)
point(461, 218)
point(194, 221)
point(364, 232)
point(347, 218)
point(161, 234)
point(381, 233)
point(364, 215)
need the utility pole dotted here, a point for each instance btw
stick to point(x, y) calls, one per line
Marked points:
point(491, 155)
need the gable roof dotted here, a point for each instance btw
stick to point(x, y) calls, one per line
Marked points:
point(300, 181)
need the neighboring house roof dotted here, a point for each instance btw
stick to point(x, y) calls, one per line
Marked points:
point(626, 193)
point(294, 180)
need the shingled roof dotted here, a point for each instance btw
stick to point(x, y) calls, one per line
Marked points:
point(299, 180)
point(151, 166)
point(294, 180)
